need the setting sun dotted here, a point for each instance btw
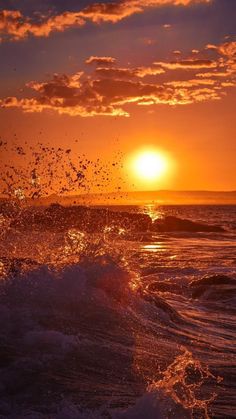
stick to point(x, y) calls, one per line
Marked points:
point(150, 165)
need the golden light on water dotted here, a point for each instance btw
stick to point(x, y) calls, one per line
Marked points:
point(153, 247)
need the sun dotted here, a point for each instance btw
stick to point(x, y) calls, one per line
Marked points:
point(150, 168)
point(149, 165)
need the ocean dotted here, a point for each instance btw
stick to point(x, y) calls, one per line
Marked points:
point(126, 312)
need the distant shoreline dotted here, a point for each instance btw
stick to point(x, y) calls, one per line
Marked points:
point(161, 197)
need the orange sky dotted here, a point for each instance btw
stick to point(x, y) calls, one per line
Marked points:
point(122, 85)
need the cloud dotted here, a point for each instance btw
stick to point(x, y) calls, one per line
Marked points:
point(214, 75)
point(219, 72)
point(100, 60)
point(15, 26)
point(110, 97)
point(227, 52)
point(115, 11)
point(228, 84)
point(227, 49)
point(111, 90)
point(190, 64)
point(128, 73)
point(60, 106)
point(192, 83)
point(60, 85)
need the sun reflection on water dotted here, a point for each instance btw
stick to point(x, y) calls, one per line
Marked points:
point(153, 247)
point(153, 211)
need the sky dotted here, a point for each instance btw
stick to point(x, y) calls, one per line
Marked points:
point(109, 78)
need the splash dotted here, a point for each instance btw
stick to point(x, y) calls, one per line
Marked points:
point(182, 381)
point(30, 173)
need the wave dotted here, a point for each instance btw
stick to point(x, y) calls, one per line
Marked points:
point(215, 288)
point(94, 324)
point(91, 220)
point(74, 345)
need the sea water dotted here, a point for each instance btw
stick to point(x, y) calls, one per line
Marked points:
point(115, 322)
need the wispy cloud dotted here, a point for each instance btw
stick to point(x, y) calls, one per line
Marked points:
point(100, 60)
point(15, 26)
point(187, 64)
